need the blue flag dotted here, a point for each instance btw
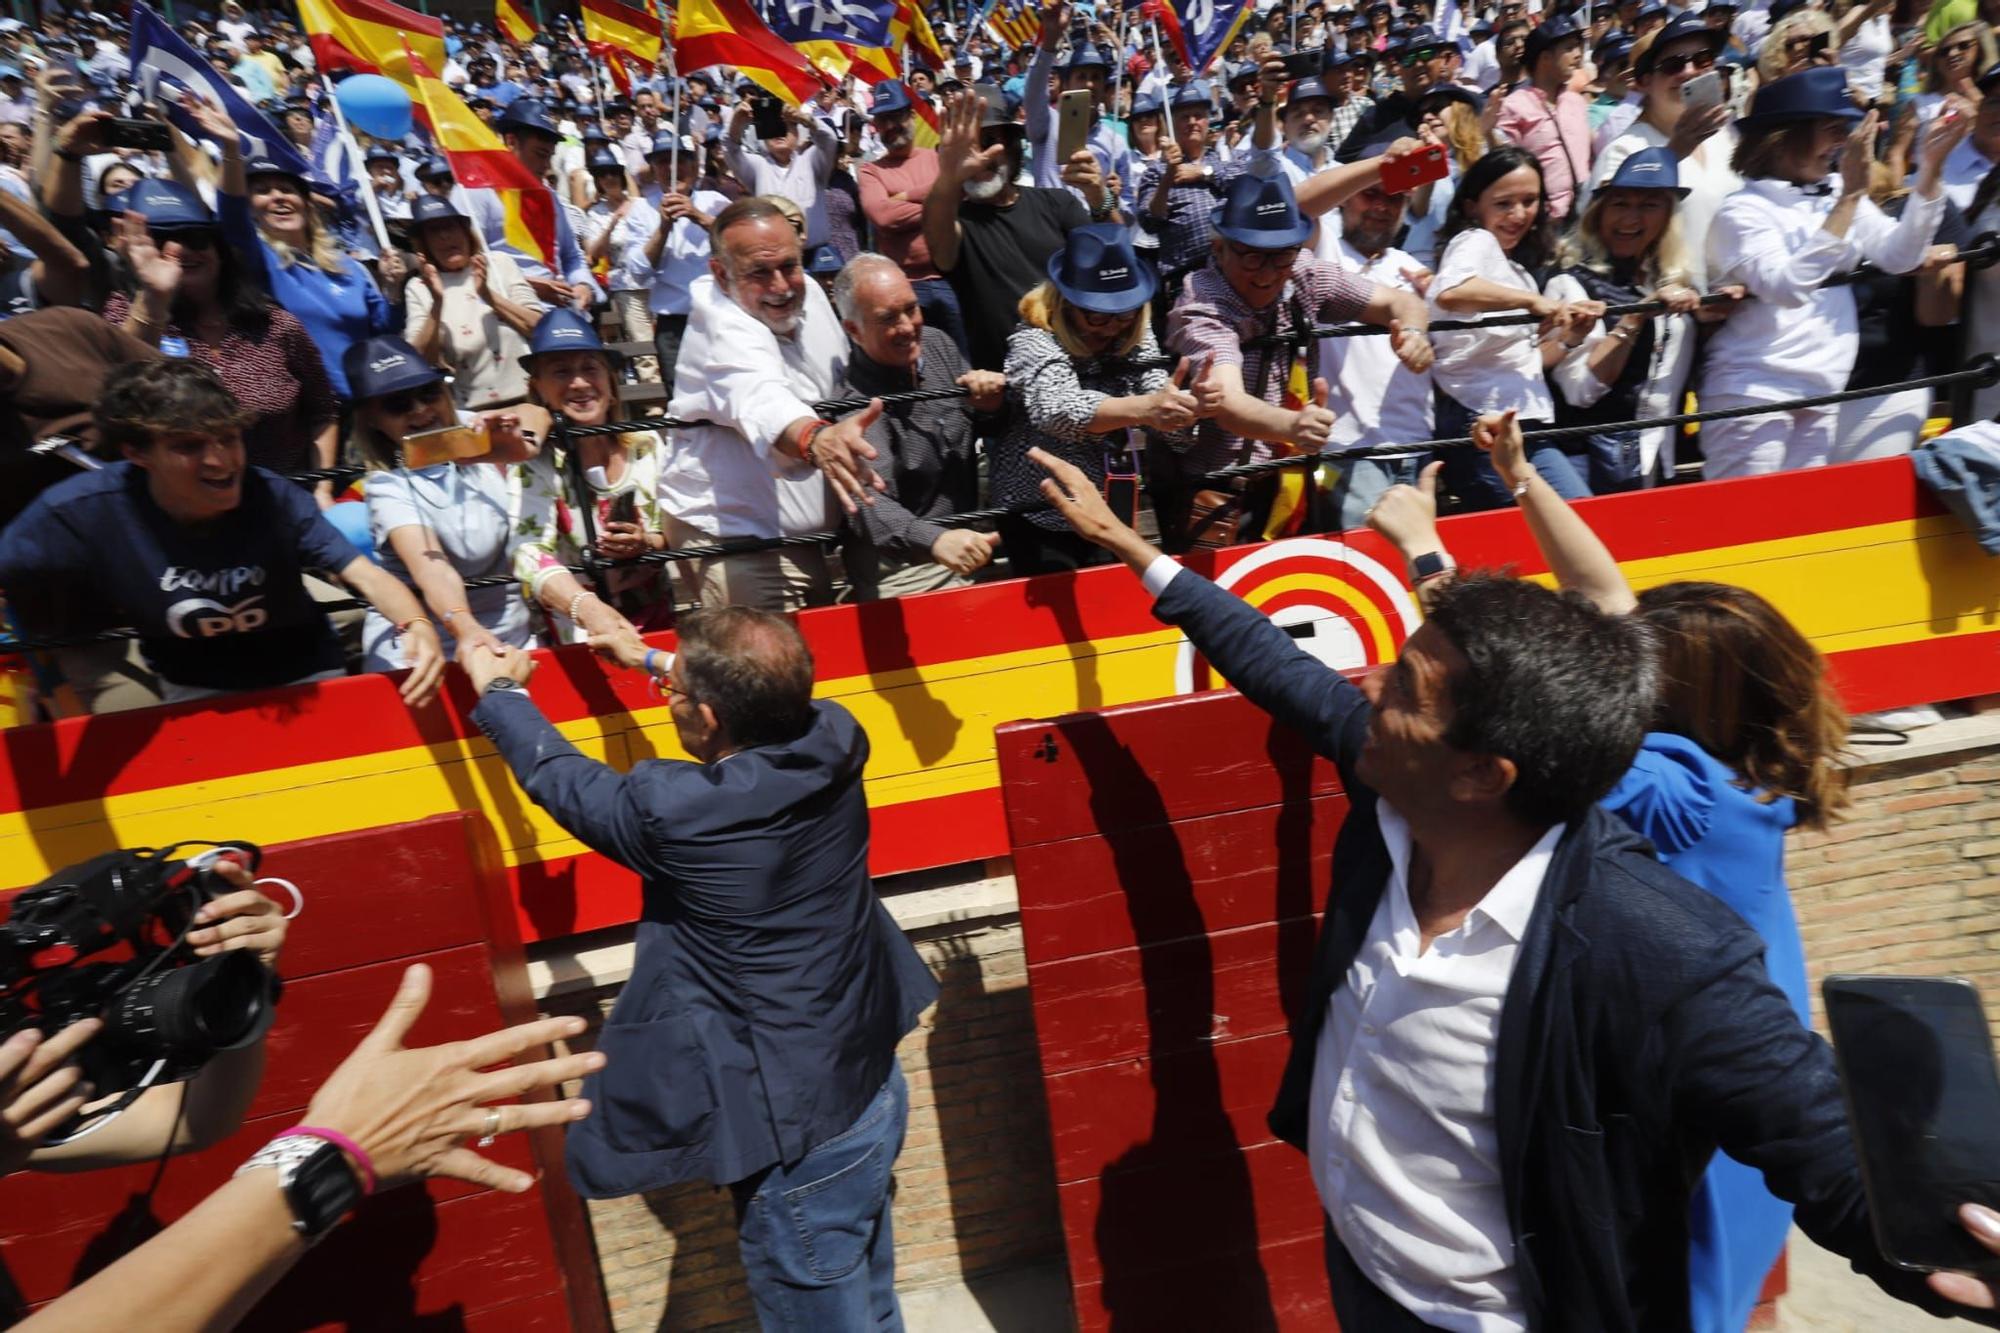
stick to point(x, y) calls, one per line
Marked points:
point(863, 23)
point(161, 59)
point(1205, 26)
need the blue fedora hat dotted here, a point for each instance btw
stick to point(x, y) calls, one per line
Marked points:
point(1811, 94)
point(564, 330)
point(529, 114)
point(1648, 169)
point(385, 365)
point(1262, 213)
point(890, 96)
point(434, 208)
point(166, 206)
point(1680, 27)
point(1100, 271)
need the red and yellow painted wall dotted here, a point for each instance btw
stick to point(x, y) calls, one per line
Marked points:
point(1883, 580)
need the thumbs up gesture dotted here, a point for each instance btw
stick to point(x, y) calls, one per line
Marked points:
point(1499, 434)
point(1312, 423)
point(1407, 515)
point(1208, 389)
point(1171, 406)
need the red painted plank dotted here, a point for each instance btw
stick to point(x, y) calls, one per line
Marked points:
point(1900, 674)
point(1186, 1106)
point(1284, 1284)
point(1150, 885)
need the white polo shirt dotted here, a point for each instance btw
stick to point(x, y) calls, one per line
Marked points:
point(1376, 398)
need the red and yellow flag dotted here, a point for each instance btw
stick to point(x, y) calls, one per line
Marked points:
point(513, 21)
point(632, 32)
point(1292, 504)
point(479, 161)
point(371, 37)
point(728, 32)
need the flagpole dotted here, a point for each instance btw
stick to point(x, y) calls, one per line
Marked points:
point(674, 74)
point(363, 181)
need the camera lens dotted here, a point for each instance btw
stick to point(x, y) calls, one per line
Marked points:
point(194, 1011)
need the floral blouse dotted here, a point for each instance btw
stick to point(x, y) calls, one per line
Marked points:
point(551, 529)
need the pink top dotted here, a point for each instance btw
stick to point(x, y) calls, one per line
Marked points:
point(899, 223)
point(1558, 136)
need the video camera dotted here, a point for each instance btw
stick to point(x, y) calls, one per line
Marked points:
point(166, 1011)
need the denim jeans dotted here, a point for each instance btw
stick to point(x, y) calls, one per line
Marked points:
point(1472, 479)
point(815, 1236)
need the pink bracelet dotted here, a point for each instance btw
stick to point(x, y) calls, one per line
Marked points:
point(346, 1145)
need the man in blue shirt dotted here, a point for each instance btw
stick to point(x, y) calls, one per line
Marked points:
point(532, 137)
point(201, 554)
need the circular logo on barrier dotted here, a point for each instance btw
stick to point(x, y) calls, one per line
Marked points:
point(1344, 608)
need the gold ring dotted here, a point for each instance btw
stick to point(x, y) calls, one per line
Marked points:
point(492, 1127)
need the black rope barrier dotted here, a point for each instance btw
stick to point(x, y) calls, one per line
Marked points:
point(1982, 372)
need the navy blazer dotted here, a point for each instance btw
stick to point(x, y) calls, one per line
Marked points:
point(770, 986)
point(1639, 1032)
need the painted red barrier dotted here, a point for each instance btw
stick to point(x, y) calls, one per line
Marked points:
point(447, 1253)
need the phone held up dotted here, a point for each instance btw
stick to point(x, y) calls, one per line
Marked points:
point(1923, 1103)
point(447, 444)
point(1421, 166)
point(1703, 90)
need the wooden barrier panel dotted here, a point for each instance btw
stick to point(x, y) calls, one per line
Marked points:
point(448, 1254)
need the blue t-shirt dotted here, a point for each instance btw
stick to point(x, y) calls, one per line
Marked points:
point(221, 606)
point(338, 309)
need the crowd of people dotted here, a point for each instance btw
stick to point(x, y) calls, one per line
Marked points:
point(1143, 307)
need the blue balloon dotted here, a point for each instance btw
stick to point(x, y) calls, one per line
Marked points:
point(374, 105)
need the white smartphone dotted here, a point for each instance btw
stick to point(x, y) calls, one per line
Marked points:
point(1703, 90)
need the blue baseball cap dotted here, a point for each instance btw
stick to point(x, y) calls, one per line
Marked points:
point(1302, 89)
point(527, 114)
point(381, 153)
point(1087, 56)
point(9, 72)
point(890, 96)
point(1100, 271)
point(823, 260)
point(266, 166)
point(1560, 28)
point(434, 208)
point(1243, 73)
point(564, 330)
point(604, 159)
point(1194, 93)
point(432, 168)
point(165, 206)
point(1146, 104)
point(1648, 169)
point(384, 365)
point(1262, 213)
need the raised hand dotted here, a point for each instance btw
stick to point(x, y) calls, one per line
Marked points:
point(1859, 155)
point(1942, 135)
point(1208, 391)
point(842, 452)
point(1312, 423)
point(412, 1111)
point(432, 279)
point(959, 153)
point(213, 120)
point(1407, 515)
point(1499, 434)
point(158, 272)
point(1083, 172)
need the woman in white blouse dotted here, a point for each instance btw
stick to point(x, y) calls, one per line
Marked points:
point(1796, 224)
point(1496, 231)
point(437, 525)
point(613, 224)
point(468, 309)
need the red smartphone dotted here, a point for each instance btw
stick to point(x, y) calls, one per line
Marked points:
point(1400, 175)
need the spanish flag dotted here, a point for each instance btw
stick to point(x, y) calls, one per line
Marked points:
point(371, 37)
point(728, 32)
point(513, 21)
point(1292, 504)
point(629, 31)
point(480, 161)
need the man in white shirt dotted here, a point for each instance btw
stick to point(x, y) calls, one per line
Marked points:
point(798, 172)
point(763, 346)
point(1377, 399)
point(673, 245)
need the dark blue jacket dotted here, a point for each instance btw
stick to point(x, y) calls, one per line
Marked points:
point(1639, 1033)
point(770, 985)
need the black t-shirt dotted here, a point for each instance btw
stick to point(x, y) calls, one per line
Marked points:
point(220, 607)
point(1002, 253)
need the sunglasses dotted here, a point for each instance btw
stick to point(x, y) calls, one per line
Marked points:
point(1959, 48)
point(1419, 56)
point(194, 238)
point(402, 404)
point(1671, 65)
point(1258, 261)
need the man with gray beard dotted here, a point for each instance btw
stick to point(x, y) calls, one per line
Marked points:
point(989, 234)
point(893, 188)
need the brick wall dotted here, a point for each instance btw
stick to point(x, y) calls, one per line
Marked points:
point(975, 1186)
point(1909, 881)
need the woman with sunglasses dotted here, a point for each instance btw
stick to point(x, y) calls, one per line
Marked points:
point(1075, 386)
point(1799, 41)
point(192, 301)
point(468, 309)
point(1496, 234)
point(1699, 138)
point(1797, 223)
point(436, 524)
point(1956, 62)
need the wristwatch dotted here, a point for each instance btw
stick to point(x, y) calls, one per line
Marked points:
point(501, 683)
point(319, 1183)
point(1431, 564)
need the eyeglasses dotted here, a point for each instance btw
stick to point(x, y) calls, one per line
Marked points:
point(1671, 65)
point(1259, 261)
point(1096, 319)
point(402, 404)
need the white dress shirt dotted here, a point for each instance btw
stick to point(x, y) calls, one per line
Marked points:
point(683, 255)
point(727, 478)
point(1403, 1141)
point(1376, 397)
point(1799, 338)
point(1488, 370)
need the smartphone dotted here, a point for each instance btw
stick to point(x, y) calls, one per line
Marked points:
point(446, 444)
point(1923, 1102)
point(1402, 174)
point(148, 135)
point(1703, 90)
point(1304, 64)
point(1074, 130)
point(767, 117)
point(624, 508)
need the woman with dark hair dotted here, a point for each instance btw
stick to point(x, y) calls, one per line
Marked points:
point(192, 301)
point(1745, 745)
point(1496, 234)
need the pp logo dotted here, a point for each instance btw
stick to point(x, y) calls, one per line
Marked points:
point(1344, 608)
point(204, 618)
